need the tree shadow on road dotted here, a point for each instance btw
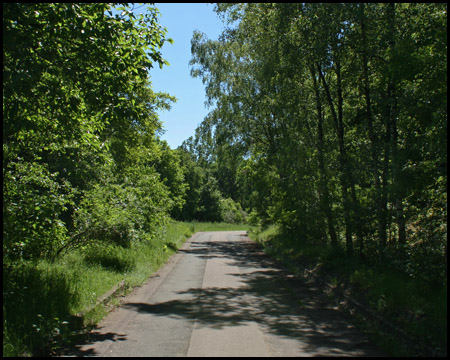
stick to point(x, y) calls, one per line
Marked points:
point(90, 339)
point(281, 305)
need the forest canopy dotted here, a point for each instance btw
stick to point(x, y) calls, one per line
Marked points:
point(331, 121)
point(327, 123)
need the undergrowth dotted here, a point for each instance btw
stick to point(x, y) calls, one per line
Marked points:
point(417, 307)
point(43, 300)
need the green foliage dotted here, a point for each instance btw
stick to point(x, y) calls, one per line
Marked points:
point(330, 121)
point(33, 202)
point(231, 212)
point(203, 196)
point(41, 300)
point(79, 128)
point(118, 212)
point(209, 207)
point(81, 162)
point(172, 176)
point(411, 303)
point(216, 226)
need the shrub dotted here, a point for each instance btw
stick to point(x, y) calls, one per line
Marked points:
point(103, 216)
point(117, 212)
point(231, 211)
point(33, 204)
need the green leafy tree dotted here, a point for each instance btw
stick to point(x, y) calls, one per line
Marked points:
point(169, 167)
point(76, 97)
point(203, 197)
point(333, 117)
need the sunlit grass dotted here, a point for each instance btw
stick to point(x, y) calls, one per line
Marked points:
point(202, 226)
point(42, 301)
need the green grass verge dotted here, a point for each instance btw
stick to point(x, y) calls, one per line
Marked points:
point(418, 308)
point(201, 226)
point(41, 300)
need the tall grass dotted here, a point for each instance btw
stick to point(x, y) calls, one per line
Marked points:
point(42, 300)
point(37, 304)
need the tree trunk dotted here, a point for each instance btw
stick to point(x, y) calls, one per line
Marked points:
point(396, 166)
point(344, 178)
point(381, 211)
point(326, 205)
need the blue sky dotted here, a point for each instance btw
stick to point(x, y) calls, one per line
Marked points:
point(181, 19)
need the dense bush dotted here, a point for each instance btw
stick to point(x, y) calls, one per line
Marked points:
point(33, 202)
point(117, 212)
point(231, 212)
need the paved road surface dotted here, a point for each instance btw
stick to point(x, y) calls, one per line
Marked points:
point(220, 296)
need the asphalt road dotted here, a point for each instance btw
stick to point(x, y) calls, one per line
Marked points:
point(220, 296)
